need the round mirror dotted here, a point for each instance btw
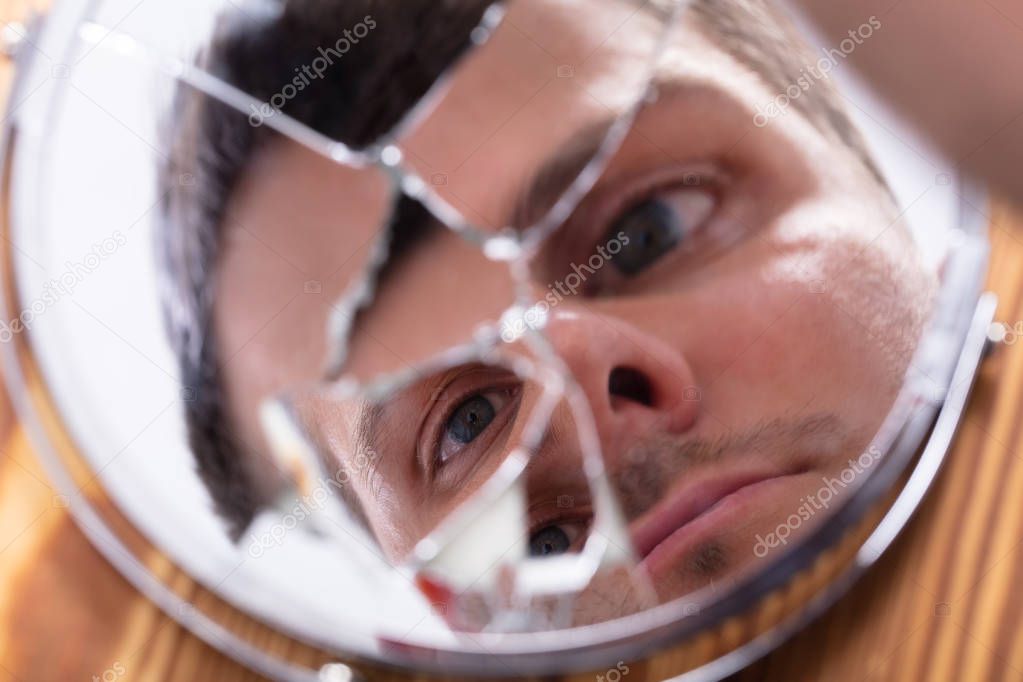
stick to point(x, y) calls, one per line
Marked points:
point(492, 338)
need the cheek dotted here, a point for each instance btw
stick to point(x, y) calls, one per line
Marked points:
point(390, 520)
point(774, 342)
point(827, 325)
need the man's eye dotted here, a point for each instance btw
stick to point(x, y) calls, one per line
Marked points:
point(548, 541)
point(652, 228)
point(554, 539)
point(470, 419)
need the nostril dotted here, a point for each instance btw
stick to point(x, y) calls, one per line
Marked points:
point(630, 384)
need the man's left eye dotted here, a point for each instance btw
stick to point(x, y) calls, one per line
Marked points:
point(554, 539)
point(649, 230)
point(469, 420)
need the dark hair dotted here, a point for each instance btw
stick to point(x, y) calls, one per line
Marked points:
point(359, 98)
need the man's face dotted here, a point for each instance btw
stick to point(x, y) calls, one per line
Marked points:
point(737, 303)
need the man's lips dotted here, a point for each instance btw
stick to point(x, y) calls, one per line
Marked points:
point(691, 502)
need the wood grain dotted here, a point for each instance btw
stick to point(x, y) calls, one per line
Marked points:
point(944, 604)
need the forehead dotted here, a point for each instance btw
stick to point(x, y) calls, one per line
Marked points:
point(553, 72)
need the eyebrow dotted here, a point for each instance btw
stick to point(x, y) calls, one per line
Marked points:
point(556, 175)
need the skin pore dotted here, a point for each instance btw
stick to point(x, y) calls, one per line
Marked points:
point(748, 335)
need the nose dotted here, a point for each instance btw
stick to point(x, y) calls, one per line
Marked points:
point(636, 384)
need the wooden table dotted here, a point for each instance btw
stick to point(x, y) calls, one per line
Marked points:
point(945, 604)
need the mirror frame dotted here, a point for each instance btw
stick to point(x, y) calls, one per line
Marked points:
point(709, 642)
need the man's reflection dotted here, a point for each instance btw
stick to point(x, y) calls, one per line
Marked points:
point(743, 331)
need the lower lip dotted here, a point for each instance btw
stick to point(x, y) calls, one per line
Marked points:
point(731, 511)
